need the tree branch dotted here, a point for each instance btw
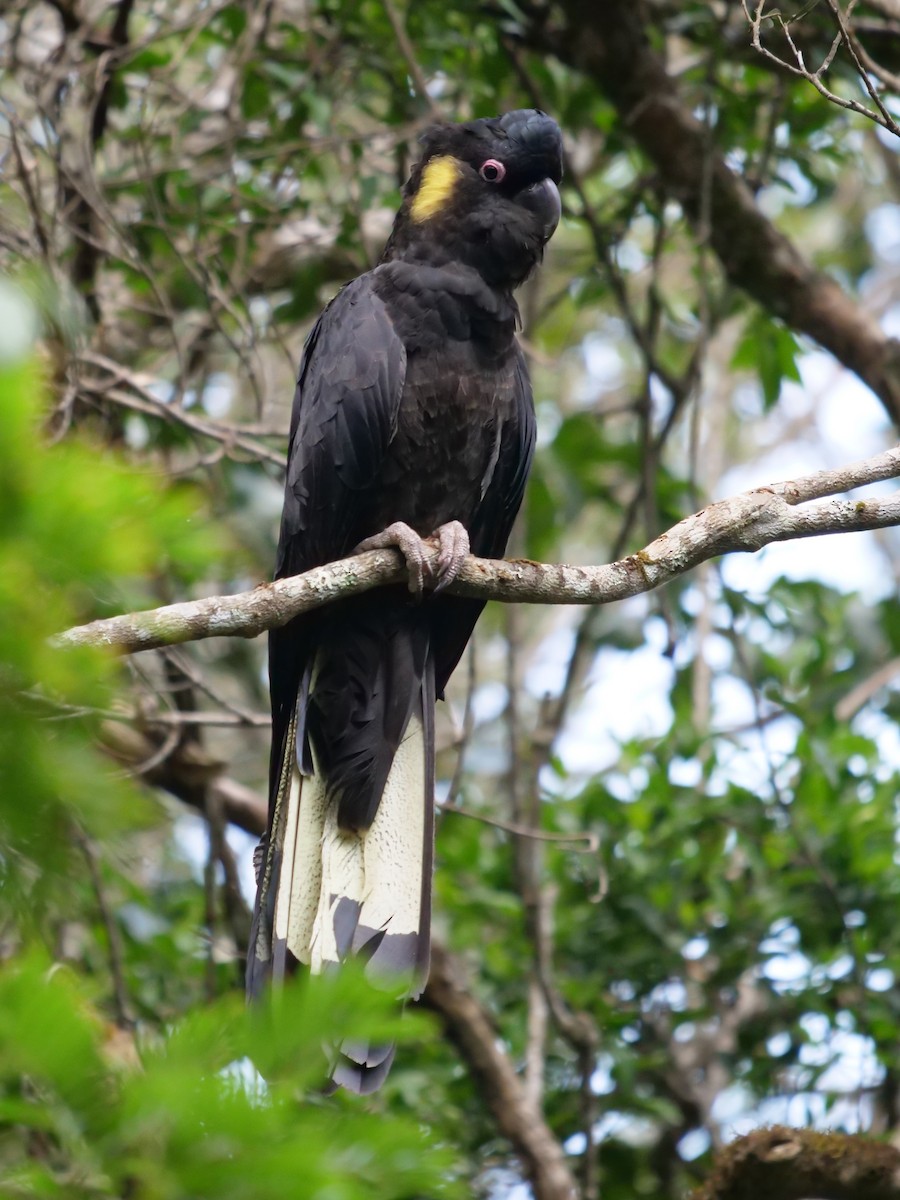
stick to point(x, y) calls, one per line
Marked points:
point(792, 1164)
point(748, 521)
point(84, 219)
point(756, 256)
point(880, 114)
point(470, 1028)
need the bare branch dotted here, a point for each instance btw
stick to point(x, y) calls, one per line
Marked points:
point(416, 74)
point(138, 397)
point(858, 697)
point(880, 114)
point(756, 256)
point(587, 842)
point(472, 1031)
point(121, 1000)
point(746, 522)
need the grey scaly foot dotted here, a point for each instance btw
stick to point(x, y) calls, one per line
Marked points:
point(453, 543)
point(401, 537)
point(453, 549)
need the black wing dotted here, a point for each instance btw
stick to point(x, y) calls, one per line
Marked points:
point(493, 522)
point(503, 495)
point(343, 419)
point(345, 412)
point(344, 416)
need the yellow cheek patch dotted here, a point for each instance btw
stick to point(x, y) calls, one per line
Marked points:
point(438, 181)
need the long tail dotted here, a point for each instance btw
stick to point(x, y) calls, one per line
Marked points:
point(328, 892)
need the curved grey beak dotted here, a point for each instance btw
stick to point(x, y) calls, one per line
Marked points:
point(543, 200)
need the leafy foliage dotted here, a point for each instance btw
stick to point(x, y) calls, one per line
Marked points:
point(84, 1114)
point(89, 1108)
point(713, 769)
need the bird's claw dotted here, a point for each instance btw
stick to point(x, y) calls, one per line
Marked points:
point(453, 548)
point(399, 536)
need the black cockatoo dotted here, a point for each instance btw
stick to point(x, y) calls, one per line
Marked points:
point(413, 416)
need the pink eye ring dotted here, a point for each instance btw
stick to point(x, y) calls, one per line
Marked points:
point(492, 171)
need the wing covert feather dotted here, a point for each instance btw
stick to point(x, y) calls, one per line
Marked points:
point(493, 522)
point(497, 512)
point(344, 416)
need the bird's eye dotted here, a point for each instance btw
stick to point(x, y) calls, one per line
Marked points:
point(492, 171)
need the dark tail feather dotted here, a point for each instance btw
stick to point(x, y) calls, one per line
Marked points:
point(390, 928)
point(361, 1067)
point(264, 957)
point(326, 893)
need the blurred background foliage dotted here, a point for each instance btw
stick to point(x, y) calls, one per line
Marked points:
point(714, 767)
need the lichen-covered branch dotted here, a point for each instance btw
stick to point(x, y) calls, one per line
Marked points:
point(748, 521)
point(794, 1164)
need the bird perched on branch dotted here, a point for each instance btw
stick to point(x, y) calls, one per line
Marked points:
point(413, 417)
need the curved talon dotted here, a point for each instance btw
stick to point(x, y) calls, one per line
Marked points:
point(399, 536)
point(453, 549)
point(453, 542)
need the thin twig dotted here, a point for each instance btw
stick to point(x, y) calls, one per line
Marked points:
point(468, 726)
point(416, 74)
point(579, 843)
point(880, 115)
point(124, 1018)
point(850, 704)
